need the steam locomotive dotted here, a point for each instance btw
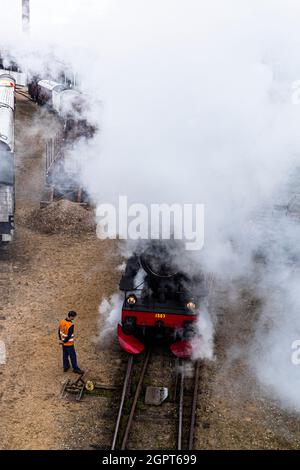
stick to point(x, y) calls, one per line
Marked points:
point(7, 174)
point(159, 304)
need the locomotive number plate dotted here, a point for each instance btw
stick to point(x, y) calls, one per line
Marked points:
point(160, 315)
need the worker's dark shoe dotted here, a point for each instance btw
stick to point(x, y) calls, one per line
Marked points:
point(66, 370)
point(78, 371)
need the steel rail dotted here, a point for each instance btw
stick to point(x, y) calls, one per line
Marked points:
point(180, 415)
point(135, 400)
point(194, 406)
point(124, 391)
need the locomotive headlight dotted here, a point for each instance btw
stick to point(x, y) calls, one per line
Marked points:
point(191, 306)
point(131, 299)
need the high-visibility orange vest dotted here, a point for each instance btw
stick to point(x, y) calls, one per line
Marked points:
point(64, 331)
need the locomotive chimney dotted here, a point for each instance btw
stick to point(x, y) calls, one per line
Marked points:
point(26, 16)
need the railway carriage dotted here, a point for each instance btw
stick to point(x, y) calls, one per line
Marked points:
point(7, 174)
point(69, 104)
point(46, 90)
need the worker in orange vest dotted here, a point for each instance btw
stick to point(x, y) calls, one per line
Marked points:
point(66, 339)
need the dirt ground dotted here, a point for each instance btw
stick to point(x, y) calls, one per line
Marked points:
point(234, 411)
point(53, 273)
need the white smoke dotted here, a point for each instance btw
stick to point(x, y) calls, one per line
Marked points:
point(109, 317)
point(279, 325)
point(196, 107)
point(203, 342)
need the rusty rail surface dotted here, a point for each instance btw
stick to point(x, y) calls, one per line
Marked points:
point(187, 404)
point(181, 437)
point(136, 397)
point(124, 392)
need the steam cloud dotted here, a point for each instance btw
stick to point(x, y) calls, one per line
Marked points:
point(194, 102)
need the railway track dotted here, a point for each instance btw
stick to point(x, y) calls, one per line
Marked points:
point(23, 92)
point(187, 407)
point(179, 411)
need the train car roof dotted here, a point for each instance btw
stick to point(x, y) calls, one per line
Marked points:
point(50, 85)
point(7, 76)
point(18, 77)
point(71, 91)
point(7, 96)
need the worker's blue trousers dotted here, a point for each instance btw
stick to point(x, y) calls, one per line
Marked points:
point(69, 351)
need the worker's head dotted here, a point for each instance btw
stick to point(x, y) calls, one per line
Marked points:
point(72, 314)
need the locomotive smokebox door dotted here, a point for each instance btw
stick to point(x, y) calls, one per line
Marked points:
point(156, 395)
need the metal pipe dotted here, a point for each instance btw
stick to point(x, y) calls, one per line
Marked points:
point(26, 16)
point(125, 386)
